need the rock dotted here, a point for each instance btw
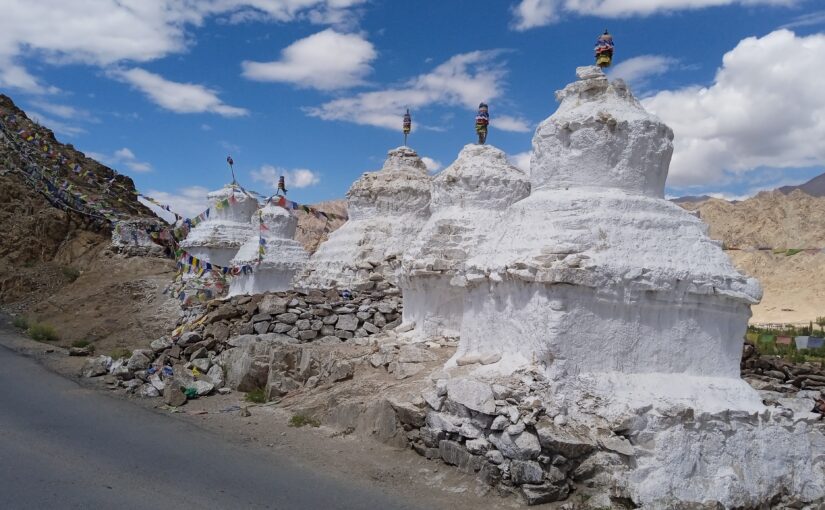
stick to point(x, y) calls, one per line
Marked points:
point(307, 335)
point(173, 395)
point(414, 354)
point(95, 367)
point(138, 361)
point(280, 328)
point(202, 364)
point(189, 338)
point(80, 351)
point(472, 394)
point(287, 318)
point(502, 392)
point(198, 354)
point(343, 335)
point(454, 454)
point(341, 370)
point(490, 358)
point(156, 381)
point(215, 375)
point(224, 391)
point(261, 317)
point(494, 456)
point(617, 444)
point(330, 320)
point(161, 344)
point(441, 422)
point(202, 387)
point(148, 391)
point(470, 430)
point(524, 446)
point(568, 441)
point(303, 324)
point(273, 304)
point(404, 327)
point(380, 359)
point(500, 423)
point(404, 370)
point(468, 359)
point(408, 414)
point(347, 322)
point(490, 474)
point(516, 429)
point(262, 327)
point(371, 328)
point(432, 399)
point(478, 446)
point(525, 472)
point(544, 493)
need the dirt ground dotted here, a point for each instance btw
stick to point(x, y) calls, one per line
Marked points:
point(347, 457)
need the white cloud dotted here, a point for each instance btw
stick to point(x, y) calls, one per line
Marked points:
point(508, 123)
point(463, 80)
point(529, 14)
point(297, 178)
point(764, 109)
point(638, 70)
point(122, 157)
point(806, 20)
point(175, 96)
point(65, 111)
point(327, 60)
point(521, 161)
point(432, 165)
point(106, 32)
point(189, 202)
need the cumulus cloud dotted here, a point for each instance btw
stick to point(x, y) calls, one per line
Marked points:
point(175, 96)
point(764, 109)
point(122, 157)
point(296, 178)
point(508, 123)
point(327, 60)
point(529, 14)
point(521, 161)
point(189, 202)
point(433, 165)
point(638, 70)
point(463, 80)
point(106, 32)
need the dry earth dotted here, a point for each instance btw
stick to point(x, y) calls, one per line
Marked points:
point(794, 285)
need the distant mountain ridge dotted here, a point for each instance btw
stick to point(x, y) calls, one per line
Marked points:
point(815, 187)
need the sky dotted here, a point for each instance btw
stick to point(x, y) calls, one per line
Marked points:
point(315, 90)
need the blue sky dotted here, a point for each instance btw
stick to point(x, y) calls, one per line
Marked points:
point(315, 89)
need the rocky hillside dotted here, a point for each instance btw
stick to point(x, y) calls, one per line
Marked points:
point(55, 266)
point(776, 222)
point(313, 231)
point(815, 187)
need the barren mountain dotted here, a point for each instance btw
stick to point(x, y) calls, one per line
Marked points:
point(775, 222)
point(55, 263)
point(313, 231)
point(815, 187)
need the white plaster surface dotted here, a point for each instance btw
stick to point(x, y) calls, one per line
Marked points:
point(284, 255)
point(218, 238)
point(386, 211)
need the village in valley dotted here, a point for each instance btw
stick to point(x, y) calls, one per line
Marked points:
point(558, 331)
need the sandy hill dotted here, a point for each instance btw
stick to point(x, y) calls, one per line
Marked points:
point(794, 285)
point(55, 262)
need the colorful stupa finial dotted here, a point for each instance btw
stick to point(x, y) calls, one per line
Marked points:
point(407, 125)
point(482, 121)
point(604, 50)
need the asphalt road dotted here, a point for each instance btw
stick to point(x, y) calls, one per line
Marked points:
point(64, 446)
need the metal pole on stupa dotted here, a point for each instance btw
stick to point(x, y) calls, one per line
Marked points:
point(407, 125)
point(231, 163)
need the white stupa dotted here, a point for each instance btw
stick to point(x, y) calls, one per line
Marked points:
point(599, 280)
point(386, 211)
point(473, 191)
point(282, 258)
point(218, 238)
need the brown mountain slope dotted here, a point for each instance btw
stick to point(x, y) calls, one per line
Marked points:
point(794, 285)
point(313, 231)
point(55, 262)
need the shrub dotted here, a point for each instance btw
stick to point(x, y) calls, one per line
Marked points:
point(120, 352)
point(71, 274)
point(42, 333)
point(20, 322)
point(83, 343)
point(299, 420)
point(257, 396)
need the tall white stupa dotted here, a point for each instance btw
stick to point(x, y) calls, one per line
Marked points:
point(217, 239)
point(386, 211)
point(597, 279)
point(467, 198)
point(282, 255)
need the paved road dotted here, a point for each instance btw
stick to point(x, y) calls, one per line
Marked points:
point(63, 446)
